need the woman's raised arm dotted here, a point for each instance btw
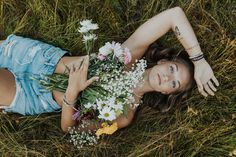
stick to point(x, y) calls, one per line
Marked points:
point(156, 27)
point(159, 25)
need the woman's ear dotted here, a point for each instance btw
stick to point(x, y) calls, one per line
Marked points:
point(162, 61)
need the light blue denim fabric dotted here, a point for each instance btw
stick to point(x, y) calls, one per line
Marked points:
point(27, 58)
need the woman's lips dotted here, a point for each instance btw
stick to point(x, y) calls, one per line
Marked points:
point(159, 79)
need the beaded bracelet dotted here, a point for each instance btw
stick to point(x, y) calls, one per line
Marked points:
point(67, 102)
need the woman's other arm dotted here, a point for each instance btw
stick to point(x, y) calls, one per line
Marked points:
point(159, 25)
point(122, 122)
point(77, 83)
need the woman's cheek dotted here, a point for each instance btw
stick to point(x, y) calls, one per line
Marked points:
point(166, 87)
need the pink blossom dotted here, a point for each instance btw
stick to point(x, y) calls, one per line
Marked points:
point(101, 57)
point(127, 56)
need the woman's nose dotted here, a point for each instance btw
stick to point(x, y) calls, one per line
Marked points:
point(167, 78)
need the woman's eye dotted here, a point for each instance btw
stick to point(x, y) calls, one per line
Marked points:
point(173, 84)
point(171, 69)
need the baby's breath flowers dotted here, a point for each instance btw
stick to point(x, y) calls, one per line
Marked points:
point(81, 138)
point(110, 96)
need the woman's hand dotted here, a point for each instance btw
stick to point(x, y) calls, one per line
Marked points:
point(78, 77)
point(204, 77)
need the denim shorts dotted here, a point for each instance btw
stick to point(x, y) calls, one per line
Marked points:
point(27, 58)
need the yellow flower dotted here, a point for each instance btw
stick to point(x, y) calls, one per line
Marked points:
point(107, 129)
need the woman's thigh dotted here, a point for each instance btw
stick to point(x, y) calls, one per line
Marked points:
point(7, 87)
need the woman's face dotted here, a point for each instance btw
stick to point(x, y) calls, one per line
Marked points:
point(169, 76)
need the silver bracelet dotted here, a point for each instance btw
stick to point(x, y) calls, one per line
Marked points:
point(67, 102)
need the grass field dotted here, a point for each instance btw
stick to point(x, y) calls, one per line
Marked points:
point(202, 127)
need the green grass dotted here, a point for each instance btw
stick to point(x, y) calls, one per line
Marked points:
point(202, 127)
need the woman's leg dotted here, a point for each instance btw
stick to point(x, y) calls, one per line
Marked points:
point(7, 87)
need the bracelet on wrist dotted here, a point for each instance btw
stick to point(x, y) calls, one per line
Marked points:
point(196, 58)
point(67, 102)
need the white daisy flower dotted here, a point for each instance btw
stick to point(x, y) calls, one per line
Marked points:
point(100, 104)
point(87, 25)
point(86, 22)
point(88, 105)
point(92, 26)
point(113, 47)
point(111, 103)
point(107, 114)
point(105, 50)
point(118, 50)
point(89, 37)
point(83, 29)
point(118, 106)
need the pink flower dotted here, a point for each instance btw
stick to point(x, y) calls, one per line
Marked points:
point(101, 57)
point(127, 56)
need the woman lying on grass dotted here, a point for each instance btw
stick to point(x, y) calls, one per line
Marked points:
point(167, 80)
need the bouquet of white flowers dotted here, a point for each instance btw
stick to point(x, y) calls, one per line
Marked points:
point(107, 98)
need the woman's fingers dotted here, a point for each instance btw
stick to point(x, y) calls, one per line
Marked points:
point(85, 64)
point(208, 90)
point(199, 83)
point(80, 65)
point(203, 92)
point(200, 87)
point(91, 80)
point(211, 86)
point(72, 69)
point(215, 81)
